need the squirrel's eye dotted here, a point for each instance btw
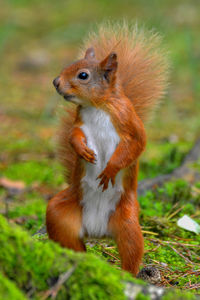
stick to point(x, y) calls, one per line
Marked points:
point(83, 75)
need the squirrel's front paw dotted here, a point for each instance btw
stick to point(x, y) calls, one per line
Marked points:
point(105, 176)
point(88, 154)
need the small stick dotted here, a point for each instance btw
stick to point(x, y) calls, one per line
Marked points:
point(175, 243)
point(56, 287)
point(117, 259)
point(175, 212)
point(149, 232)
point(181, 255)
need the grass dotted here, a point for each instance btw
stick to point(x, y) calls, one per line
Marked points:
point(37, 38)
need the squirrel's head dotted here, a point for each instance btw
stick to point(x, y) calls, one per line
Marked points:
point(88, 81)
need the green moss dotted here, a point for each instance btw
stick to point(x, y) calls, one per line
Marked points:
point(34, 205)
point(8, 290)
point(48, 172)
point(173, 195)
point(33, 262)
point(141, 296)
point(178, 295)
point(37, 265)
point(162, 158)
point(32, 212)
point(157, 215)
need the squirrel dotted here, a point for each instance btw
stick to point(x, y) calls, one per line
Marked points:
point(118, 80)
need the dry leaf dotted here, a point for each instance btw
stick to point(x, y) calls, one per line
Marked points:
point(14, 186)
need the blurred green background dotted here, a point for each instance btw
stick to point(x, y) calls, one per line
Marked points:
point(37, 39)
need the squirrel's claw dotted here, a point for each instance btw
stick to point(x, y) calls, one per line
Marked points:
point(104, 181)
point(89, 155)
point(105, 178)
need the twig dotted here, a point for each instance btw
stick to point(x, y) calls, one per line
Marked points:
point(149, 232)
point(175, 212)
point(180, 244)
point(152, 250)
point(108, 253)
point(175, 243)
point(61, 280)
point(171, 209)
point(181, 255)
point(192, 286)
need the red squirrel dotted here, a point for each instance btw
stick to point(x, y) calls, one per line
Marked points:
point(118, 80)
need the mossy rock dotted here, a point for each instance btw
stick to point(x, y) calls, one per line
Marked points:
point(35, 267)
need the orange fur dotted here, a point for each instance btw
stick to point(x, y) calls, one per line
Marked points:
point(125, 228)
point(132, 133)
point(63, 219)
point(124, 224)
point(125, 84)
point(78, 141)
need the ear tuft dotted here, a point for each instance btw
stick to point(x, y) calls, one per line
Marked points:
point(90, 53)
point(110, 62)
point(113, 55)
point(109, 66)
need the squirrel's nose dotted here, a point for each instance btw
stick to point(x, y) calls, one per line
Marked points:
point(56, 82)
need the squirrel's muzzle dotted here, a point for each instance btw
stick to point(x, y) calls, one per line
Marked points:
point(56, 82)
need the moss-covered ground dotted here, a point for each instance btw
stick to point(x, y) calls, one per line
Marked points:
point(37, 38)
point(33, 269)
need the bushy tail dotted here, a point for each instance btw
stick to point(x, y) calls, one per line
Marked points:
point(142, 64)
point(66, 153)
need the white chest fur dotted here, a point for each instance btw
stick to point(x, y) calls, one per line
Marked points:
point(103, 139)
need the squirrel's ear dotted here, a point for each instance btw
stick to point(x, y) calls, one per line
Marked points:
point(90, 53)
point(109, 66)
